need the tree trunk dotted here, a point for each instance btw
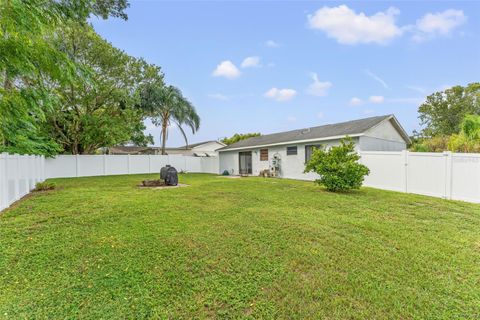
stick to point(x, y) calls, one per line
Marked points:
point(164, 135)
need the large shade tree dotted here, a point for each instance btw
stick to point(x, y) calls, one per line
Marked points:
point(29, 61)
point(98, 108)
point(166, 105)
point(443, 112)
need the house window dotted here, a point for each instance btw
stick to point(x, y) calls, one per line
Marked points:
point(291, 151)
point(309, 150)
point(263, 154)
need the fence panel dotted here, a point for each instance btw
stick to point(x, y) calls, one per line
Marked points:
point(157, 162)
point(61, 167)
point(193, 164)
point(139, 164)
point(90, 165)
point(445, 175)
point(97, 165)
point(426, 173)
point(465, 184)
point(116, 164)
point(18, 176)
point(387, 170)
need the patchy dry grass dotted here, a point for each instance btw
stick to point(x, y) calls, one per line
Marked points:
point(237, 248)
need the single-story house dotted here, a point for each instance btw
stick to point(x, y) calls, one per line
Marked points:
point(200, 149)
point(285, 153)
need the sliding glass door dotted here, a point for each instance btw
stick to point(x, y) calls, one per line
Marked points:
point(245, 162)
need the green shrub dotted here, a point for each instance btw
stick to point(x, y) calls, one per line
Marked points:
point(45, 185)
point(433, 144)
point(338, 167)
point(468, 140)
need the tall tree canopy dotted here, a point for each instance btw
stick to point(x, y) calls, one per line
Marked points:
point(166, 105)
point(98, 108)
point(29, 61)
point(238, 137)
point(442, 112)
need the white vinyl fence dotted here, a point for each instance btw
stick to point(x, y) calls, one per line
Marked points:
point(18, 176)
point(445, 175)
point(65, 166)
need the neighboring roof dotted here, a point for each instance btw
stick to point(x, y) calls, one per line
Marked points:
point(193, 145)
point(325, 132)
point(141, 150)
point(127, 149)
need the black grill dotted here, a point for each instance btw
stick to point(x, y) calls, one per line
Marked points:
point(169, 175)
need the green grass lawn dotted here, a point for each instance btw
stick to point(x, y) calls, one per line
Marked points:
point(237, 248)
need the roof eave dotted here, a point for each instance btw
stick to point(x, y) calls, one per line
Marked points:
point(291, 142)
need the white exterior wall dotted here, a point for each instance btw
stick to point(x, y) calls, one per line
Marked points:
point(382, 137)
point(377, 144)
point(291, 166)
point(385, 131)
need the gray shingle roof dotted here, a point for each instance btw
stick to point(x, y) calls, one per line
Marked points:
point(321, 132)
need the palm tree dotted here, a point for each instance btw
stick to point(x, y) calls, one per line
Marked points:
point(166, 105)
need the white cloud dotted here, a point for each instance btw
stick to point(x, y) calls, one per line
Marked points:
point(218, 96)
point(280, 94)
point(347, 27)
point(318, 88)
point(226, 69)
point(249, 62)
point(272, 44)
point(438, 24)
point(320, 115)
point(355, 102)
point(376, 78)
point(368, 111)
point(291, 119)
point(376, 99)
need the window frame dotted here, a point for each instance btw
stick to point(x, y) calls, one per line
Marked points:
point(262, 155)
point(289, 153)
point(310, 146)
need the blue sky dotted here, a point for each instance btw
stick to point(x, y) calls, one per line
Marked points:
point(265, 66)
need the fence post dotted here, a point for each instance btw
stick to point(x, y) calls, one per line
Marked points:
point(128, 163)
point(149, 163)
point(37, 170)
point(405, 170)
point(29, 174)
point(42, 169)
point(104, 164)
point(16, 180)
point(76, 165)
point(3, 181)
point(448, 174)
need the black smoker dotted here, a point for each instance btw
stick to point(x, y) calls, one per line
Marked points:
point(169, 175)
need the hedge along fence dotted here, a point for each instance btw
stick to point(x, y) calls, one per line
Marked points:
point(18, 176)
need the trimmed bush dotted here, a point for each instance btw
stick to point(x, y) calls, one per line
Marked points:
point(44, 186)
point(338, 167)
